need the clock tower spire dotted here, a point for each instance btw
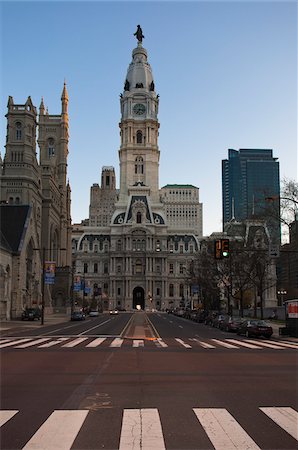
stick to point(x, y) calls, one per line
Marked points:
point(139, 152)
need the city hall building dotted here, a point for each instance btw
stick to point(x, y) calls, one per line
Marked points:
point(136, 246)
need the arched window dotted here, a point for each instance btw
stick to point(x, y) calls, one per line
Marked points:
point(51, 147)
point(106, 268)
point(95, 270)
point(139, 137)
point(171, 290)
point(18, 131)
point(139, 217)
point(85, 267)
point(139, 165)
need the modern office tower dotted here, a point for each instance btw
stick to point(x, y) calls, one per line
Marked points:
point(250, 177)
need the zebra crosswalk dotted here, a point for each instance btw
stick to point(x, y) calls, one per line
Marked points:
point(144, 429)
point(95, 342)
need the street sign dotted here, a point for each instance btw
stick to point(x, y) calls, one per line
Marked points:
point(49, 272)
point(274, 251)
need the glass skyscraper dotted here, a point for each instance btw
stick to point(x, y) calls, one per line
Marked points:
point(249, 178)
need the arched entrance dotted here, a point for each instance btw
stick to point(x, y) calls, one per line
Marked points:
point(138, 297)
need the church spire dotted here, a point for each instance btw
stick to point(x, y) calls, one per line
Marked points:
point(64, 100)
point(64, 95)
point(41, 107)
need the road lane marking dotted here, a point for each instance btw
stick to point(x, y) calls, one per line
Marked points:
point(5, 416)
point(265, 344)
point(244, 344)
point(138, 343)
point(30, 344)
point(286, 418)
point(96, 342)
point(224, 344)
point(58, 432)
point(52, 343)
point(152, 328)
point(160, 343)
point(96, 326)
point(8, 344)
point(223, 430)
point(141, 429)
point(126, 326)
point(183, 343)
point(203, 344)
point(74, 343)
point(116, 342)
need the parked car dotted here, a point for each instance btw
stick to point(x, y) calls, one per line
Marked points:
point(210, 317)
point(93, 313)
point(255, 328)
point(231, 323)
point(200, 317)
point(114, 312)
point(31, 314)
point(77, 315)
point(216, 322)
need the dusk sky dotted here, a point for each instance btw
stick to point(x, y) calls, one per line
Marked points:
point(226, 73)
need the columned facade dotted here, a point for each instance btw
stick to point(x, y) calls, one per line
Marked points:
point(140, 258)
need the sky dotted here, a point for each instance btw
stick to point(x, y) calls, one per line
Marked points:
point(226, 73)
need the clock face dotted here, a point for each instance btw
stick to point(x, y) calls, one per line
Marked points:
point(139, 109)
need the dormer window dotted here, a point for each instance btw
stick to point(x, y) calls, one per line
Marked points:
point(139, 85)
point(18, 131)
point(139, 217)
point(51, 147)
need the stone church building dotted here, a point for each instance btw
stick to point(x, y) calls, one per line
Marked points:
point(35, 220)
point(136, 246)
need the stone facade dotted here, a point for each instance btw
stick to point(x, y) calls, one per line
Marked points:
point(138, 258)
point(41, 186)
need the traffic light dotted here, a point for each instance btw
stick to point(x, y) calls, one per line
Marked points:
point(225, 248)
point(221, 248)
point(217, 249)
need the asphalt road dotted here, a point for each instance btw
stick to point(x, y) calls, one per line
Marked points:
point(109, 383)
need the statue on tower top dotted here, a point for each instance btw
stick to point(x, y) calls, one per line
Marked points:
point(139, 34)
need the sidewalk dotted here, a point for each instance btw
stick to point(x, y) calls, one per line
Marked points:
point(52, 319)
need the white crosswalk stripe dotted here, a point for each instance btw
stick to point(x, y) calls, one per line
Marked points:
point(46, 342)
point(117, 342)
point(243, 343)
point(52, 343)
point(183, 343)
point(58, 432)
point(142, 428)
point(14, 342)
point(138, 343)
point(30, 344)
point(266, 344)
point(224, 344)
point(286, 418)
point(5, 416)
point(203, 344)
point(74, 343)
point(223, 430)
point(160, 343)
point(96, 342)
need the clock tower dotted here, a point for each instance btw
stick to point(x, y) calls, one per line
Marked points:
point(139, 153)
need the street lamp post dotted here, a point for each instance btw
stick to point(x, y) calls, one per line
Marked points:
point(282, 292)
